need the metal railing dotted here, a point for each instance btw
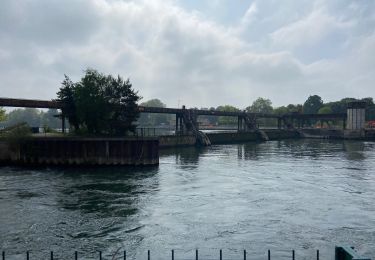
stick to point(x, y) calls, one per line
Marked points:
point(341, 253)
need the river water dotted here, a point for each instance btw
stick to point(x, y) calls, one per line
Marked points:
point(278, 195)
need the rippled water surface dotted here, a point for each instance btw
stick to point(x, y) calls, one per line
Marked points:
point(279, 195)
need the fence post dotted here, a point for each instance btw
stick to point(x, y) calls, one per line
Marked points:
point(269, 254)
point(293, 255)
point(148, 254)
point(100, 255)
point(27, 255)
point(3, 254)
point(196, 254)
point(172, 254)
point(51, 255)
point(317, 254)
point(221, 254)
point(244, 255)
point(124, 254)
point(76, 255)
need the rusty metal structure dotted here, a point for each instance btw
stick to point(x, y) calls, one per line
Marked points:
point(186, 119)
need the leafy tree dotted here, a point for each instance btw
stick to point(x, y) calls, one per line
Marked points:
point(49, 119)
point(325, 110)
point(31, 116)
point(261, 105)
point(295, 108)
point(66, 96)
point(226, 120)
point(312, 104)
point(148, 119)
point(99, 104)
point(281, 110)
point(2, 114)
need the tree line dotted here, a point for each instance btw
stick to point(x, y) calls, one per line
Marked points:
point(106, 105)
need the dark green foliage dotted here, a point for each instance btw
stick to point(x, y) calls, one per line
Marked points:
point(261, 105)
point(99, 104)
point(31, 116)
point(325, 110)
point(66, 96)
point(227, 120)
point(148, 119)
point(312, 104)
point(2, 114)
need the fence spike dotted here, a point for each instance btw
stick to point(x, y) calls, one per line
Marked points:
point(244, 255)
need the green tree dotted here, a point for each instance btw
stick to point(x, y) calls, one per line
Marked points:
point(148, 119)
point(66, 96)
point(281, 110)
point(99, 104)
point(227, 120)
point(2, 114)
point(31, 116)
point(261, 105)
point(325, 110)
point(295, 108)
point(49, 119)
point(312, 104)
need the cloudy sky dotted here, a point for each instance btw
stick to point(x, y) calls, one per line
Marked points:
point(195, 52)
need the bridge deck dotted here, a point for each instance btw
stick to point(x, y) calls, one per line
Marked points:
point(32, 103)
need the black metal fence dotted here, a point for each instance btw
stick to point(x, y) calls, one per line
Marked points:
point(341, 253)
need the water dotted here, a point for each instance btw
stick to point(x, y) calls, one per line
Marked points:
point(279, 195)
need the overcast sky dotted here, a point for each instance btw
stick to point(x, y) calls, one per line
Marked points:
point(196, 52)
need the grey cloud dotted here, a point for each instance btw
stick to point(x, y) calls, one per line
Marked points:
point(172, 54)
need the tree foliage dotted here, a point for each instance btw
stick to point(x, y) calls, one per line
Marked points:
point(226, 120)
point(33, 117)
point(99, 104)
point(325, 110)
point(2, 114)
point(261, 105)
point(312, 104)
point(148, 119)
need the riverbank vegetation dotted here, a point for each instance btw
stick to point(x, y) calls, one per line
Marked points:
point(99, 104)
point(313, 104)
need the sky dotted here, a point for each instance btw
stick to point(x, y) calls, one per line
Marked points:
point(200, 53)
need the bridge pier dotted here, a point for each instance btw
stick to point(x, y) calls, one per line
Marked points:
point(180, 126)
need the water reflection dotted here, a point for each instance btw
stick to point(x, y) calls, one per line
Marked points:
point(248, 151)
point(186, 157)
point(106, 191)
point(354, 150)
point(279, 194)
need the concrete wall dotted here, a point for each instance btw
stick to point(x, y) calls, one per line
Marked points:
point(278, 134)
point(322, 133)
point(176, 140)
point(273, 134)
point(224, 138)
point(355, 118)
point(81, 151)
